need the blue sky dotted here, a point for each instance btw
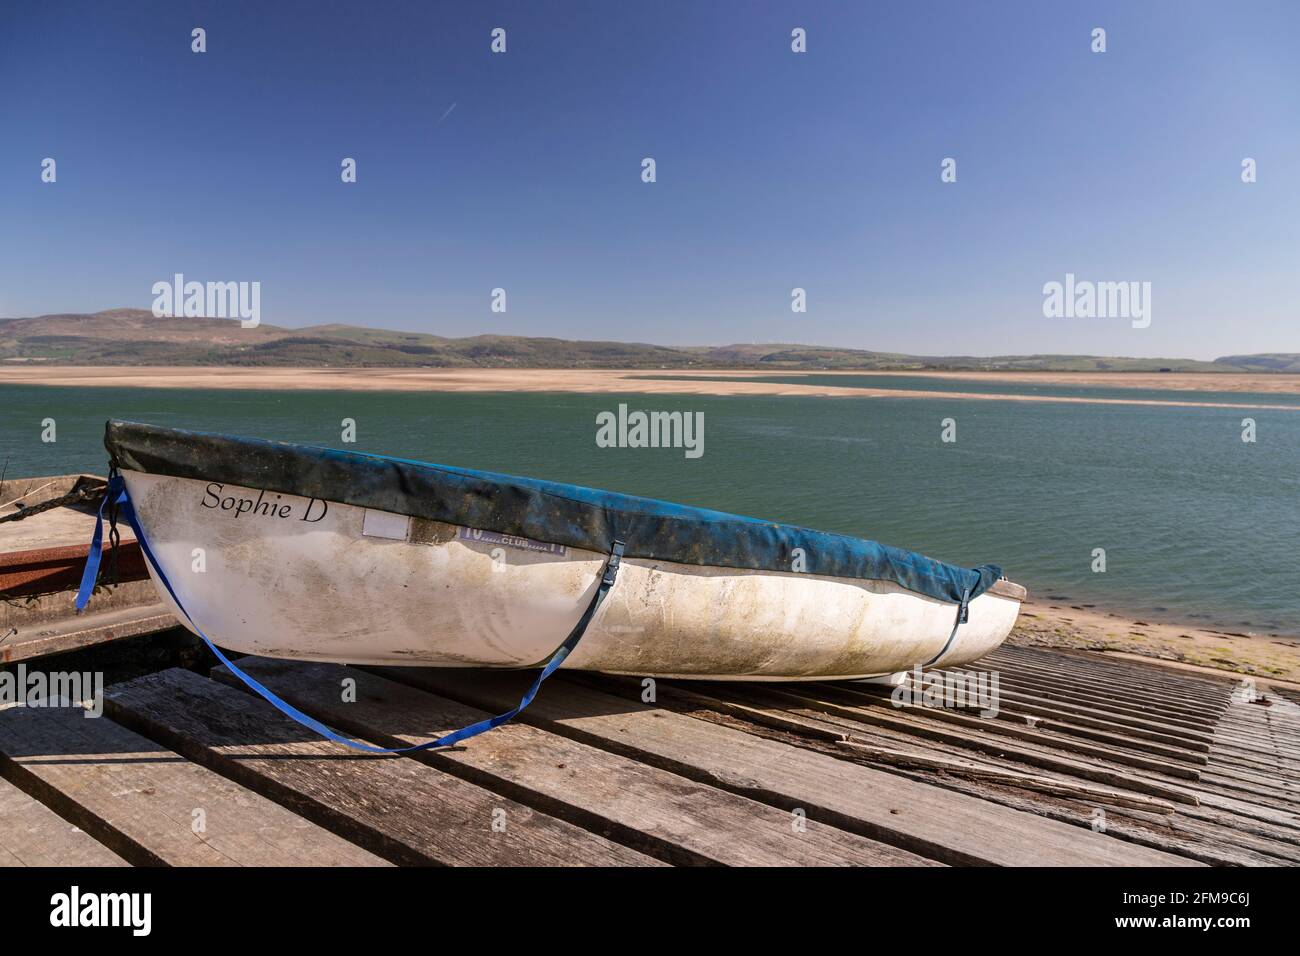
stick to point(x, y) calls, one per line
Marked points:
point(775, 170)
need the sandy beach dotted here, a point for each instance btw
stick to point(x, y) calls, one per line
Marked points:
point(1173, 381)
point(643, 381)
point(1267, 658)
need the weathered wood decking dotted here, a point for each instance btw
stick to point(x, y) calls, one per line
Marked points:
point(41, 560)
point(1089, 761)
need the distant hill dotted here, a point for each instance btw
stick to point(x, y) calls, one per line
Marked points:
point(1264, 362)
point(136, 337)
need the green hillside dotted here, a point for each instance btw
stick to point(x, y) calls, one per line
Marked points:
point(136, 337)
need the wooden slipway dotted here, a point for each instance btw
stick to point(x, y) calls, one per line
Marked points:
point(1088, 761)
point(42, 555)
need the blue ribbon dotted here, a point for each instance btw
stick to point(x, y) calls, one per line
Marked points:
point(117, 494)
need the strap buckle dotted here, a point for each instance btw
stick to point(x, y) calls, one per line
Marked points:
point(612, 565)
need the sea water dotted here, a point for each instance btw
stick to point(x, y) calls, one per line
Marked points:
point(1194, 524)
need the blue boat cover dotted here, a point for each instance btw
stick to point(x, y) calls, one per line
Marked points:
point(543, 511)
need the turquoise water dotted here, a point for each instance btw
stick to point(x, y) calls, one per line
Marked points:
point(1197, 525)
point(929, 383)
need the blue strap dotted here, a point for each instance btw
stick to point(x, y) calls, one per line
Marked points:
point(117, 493)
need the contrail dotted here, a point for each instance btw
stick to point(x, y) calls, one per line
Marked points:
point(444, 116)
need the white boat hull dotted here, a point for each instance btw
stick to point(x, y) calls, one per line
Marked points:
point(353, 585)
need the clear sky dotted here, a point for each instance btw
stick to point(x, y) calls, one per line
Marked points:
point(775, 169)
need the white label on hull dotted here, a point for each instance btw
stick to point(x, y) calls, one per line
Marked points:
point(510, 541)
point(385, 524)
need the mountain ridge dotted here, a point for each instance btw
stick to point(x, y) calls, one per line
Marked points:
point(137, 337)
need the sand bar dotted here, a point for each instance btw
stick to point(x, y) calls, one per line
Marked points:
point(640, 381)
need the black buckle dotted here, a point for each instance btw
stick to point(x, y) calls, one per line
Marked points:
point(611, 566)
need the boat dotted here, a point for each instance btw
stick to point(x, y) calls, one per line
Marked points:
point(293, 551)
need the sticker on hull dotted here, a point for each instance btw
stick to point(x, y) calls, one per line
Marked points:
point(510, 541)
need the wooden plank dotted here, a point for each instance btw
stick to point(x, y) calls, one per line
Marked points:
point(1123, 739)
point(929, 820)
point(1101, 673)
point(1186, 677)
point(786, 710)
point(1117, 701)
point(31, 834)
point(1165, 730)
point(1128, 668)
point(1275, 762)
point(1099, 676)
point(1234, 803)
point(66, 525)
point(658, 812)
point(403, 810)
point(1250, 729)
point(986, 736)
point(1274, 782)
point(1263, 789)
point(878, 708)
point(1212, 836)
point(41, 570)
point(1269, 779)
point(37, 611)
point(1049, 694)
point(151, 805)
point(74, 633)
point(1194, 839)
point(1274, 752)
point(1256, 762)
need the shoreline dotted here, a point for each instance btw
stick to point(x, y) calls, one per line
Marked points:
point(1060, 625)
point(727, 382)
point(1261, 382)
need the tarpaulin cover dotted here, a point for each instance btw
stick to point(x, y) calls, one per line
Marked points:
point(545, 511)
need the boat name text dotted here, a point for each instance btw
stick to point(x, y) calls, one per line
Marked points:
point(262, 506)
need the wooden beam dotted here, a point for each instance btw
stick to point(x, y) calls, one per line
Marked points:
point(151, 805)
point(402, 810)
point(31, 834)
point(661, 813)
point(929, 820)
point(74, 633)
